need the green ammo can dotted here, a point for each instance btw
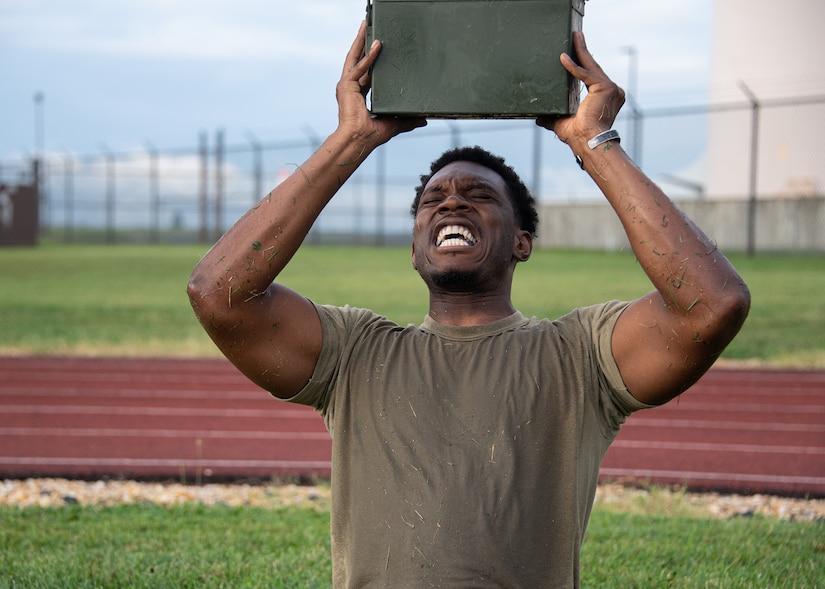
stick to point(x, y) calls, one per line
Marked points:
point(473, 58)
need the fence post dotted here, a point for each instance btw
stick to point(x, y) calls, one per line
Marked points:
point(538, 134)
point(38, 181)
point(218, 184)
point(68, 198)
point(203, 188)
point(751, 248)
point(257, 167)
point(110, 195)
point(455, 133)
point(380, 194)
point(635, 113)
point(154, 194)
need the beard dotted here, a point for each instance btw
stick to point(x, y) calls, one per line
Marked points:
point(454, 280)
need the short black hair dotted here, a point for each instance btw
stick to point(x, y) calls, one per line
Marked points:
point(523, 201)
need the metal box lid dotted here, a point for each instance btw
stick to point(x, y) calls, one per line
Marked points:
point(473, 58)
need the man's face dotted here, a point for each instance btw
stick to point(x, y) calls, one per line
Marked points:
point(466, 236)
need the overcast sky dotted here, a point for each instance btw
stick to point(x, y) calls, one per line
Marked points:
point(120, 74)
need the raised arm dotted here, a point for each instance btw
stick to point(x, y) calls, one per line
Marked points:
point(272, 334)
point(666, 340)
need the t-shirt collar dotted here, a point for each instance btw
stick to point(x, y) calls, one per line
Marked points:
point(467, 333)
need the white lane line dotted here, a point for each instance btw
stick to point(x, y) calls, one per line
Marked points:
point(141, 393)
point(162, 433)
point(735, 408)
point(155, 462)
point(710, 447)
point(167, 411)
point(710, 476)
point(699, 424)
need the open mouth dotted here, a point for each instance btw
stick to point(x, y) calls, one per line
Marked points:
point(455, 235)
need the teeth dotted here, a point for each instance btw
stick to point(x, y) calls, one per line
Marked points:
point(454, 235)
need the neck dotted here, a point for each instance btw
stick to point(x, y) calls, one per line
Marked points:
point(466, 309)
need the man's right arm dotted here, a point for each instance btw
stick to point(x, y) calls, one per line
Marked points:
point(272, 334)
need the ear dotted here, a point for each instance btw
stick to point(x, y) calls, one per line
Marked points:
point(412, 254)
point(523, 246)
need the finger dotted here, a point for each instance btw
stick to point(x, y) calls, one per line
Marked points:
point(574, 66)
point(584, 58)
point(586, 70)
point(362, 68)
point(360, 71)
point(407, 124)
point(356, 50)
point(365, 82)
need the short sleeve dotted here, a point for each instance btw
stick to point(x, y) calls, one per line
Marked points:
point(316, 393)
point(615, 401)
point(342, 328)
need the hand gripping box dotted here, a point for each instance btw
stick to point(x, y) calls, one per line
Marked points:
point(473, 58)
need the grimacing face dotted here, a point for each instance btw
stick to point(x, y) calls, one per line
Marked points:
point(466, 234)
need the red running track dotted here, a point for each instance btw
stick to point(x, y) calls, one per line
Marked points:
point(736, 430)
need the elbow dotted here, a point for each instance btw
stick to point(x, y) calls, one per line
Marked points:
point(733, 309)
point(211, 297)
point(197, 289)
point(741, 303)
point(194, 288)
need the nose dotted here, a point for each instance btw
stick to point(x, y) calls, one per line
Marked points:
point(454, 202)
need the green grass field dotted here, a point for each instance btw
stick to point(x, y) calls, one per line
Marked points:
point(210, 547)
point(131, 300)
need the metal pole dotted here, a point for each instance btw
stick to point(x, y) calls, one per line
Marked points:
point(154, 193)
point(632, 88)
point(537, 137)
point(203, 189)
point(257, 167)
point(218, 184)
point(357, 186)
point(380, 194)
point(68, 198)
point(455, 133)
point(39, 124)
point(752, 181)
point(110, 196)
point(39, 164)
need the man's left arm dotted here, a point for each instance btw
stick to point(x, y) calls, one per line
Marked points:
point(667, 339)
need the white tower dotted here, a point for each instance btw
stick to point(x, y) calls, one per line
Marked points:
point(767, 51)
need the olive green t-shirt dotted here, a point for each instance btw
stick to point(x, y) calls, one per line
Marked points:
point(465, 456)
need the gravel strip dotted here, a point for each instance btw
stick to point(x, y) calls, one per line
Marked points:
point(62, 492)
point(666, 501)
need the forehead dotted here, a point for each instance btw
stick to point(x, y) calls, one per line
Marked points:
point(462, 172)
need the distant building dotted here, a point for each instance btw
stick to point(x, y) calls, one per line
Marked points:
point(774, 50)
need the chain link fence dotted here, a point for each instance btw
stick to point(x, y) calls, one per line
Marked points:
point(751, 170)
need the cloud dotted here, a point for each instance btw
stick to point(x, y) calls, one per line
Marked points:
point(175, 66)
point(672, 40)
point(186, 29)
point(671, 36)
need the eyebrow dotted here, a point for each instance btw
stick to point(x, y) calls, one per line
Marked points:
point(466, 184)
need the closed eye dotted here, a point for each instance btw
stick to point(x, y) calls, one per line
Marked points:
point(430, 201)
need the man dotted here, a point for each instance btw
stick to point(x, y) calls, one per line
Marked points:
point(466, 450)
